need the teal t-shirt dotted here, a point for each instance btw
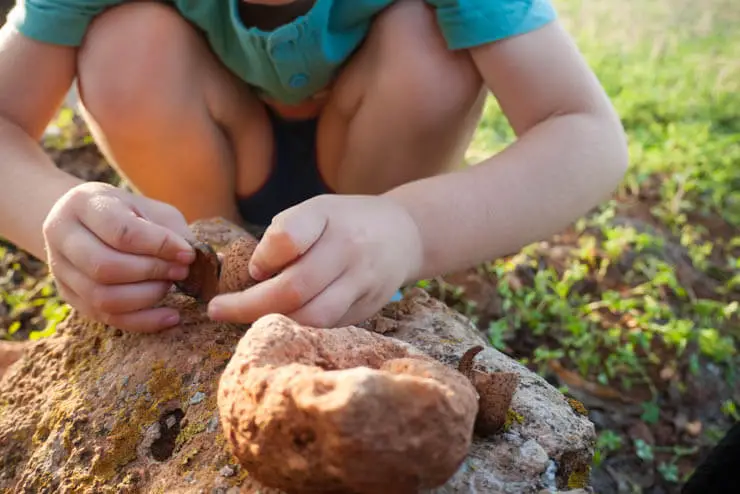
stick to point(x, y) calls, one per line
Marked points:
point(297, 59)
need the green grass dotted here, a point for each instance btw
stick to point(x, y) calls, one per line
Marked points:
point(650, 282)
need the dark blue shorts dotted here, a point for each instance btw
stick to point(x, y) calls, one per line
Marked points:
point(295, 174)
point(294, 177)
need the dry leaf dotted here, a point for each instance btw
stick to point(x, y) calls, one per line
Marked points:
point(694, 428)
point(495, 392)
point(465, 367)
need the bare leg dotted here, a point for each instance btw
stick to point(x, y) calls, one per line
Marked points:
point(182, 129)
point(405, 108)
point(168, 115)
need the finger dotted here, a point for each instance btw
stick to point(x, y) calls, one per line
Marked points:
point(165, 215)
point(291, 234)
point(286, 292)
point(328, 308)
point(363, 308)
point(117, 225)
point(69, 296)
point(105, 265)
point(117, 299)
point(142, 321)
point(72, 299)
point(146, 321)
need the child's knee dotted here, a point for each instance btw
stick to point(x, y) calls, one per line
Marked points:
point(131, 63)
point(410, 69)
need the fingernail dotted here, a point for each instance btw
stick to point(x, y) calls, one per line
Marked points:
point(171, 320)
point(178, 272)
point(215, 310)
point(186, 256)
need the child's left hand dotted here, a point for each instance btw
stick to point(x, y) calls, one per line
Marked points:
point(338, 259)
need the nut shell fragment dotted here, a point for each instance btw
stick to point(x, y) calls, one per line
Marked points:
point(495, 392)
point(202, 280)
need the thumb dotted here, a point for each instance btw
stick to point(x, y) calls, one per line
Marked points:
point(288, 237)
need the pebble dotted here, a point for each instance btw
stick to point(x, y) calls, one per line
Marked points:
point(227, 471)
point(171, 421)
point(212, 425)
point(549, 476)
point(197, 398)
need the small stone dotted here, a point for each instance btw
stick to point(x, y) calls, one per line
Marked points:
point(532, 456)
point(197, 398)
point(171, 421)
point(212, 425)
point(227, 471)
point(189, 478)
point(235, 275)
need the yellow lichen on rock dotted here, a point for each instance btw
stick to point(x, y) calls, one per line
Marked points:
point(577, 406)
point(511, 417)
point(579, 479)
point(188, 432)
point(165, 385)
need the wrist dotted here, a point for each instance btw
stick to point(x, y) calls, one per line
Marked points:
point(410, 237)
point(52, 185)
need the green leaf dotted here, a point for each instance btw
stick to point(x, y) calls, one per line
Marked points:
point(650, 412)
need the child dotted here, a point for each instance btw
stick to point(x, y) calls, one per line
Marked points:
point(341, 124)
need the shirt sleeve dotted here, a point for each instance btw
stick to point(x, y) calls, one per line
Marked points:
point(60, 22)
point(469, 23)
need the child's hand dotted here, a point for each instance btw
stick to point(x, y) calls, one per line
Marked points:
point(339, 259)
point(115, 254)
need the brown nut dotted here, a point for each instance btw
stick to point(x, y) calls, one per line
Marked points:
point(202, 280)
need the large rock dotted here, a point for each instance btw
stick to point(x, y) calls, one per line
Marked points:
point(94, 409)
point(343, 410)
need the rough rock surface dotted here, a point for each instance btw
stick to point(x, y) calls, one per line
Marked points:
point(343, 410)
point(234, 274)
point(94, 409)
point(548, 444)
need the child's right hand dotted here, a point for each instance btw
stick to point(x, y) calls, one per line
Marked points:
point(115, 255)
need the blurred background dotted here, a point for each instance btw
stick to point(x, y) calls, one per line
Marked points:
point(635, 309)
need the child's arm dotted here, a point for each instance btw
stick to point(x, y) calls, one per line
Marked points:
point(108, 261)
point(569, 156)
point(34, 79)
point(337, 260)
